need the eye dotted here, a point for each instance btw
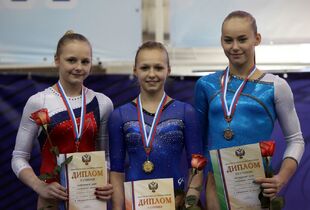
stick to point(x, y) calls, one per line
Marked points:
point(71, 60)
point(228, 41)
point(85, 61)
point(242, 40)
point(144, 67)
point(159, 67)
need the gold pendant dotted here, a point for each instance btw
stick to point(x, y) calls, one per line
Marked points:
point(148, 166)
point(228, 134)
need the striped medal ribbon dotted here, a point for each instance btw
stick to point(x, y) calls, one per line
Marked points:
point(147, 140)
point(229, 111)
point(77, 130)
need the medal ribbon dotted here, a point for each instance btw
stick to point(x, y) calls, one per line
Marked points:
point(148, 139)
point(229, 112)
point(77, 131)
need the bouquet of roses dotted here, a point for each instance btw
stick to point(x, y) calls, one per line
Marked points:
point(267, 150)
point(42, 119)
point(198, 163)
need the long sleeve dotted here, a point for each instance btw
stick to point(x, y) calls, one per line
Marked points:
point(201, 105)
point(117, 143)
point(106, 108)
point(27, 133)
point(192, 133)
point(288, 119)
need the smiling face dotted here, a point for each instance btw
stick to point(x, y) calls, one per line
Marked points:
point(238, 41)
point(152, 70)
point(74, 62)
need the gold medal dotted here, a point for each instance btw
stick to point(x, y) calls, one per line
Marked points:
point(148, 166)
point(228, 134)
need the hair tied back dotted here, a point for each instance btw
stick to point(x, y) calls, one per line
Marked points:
point(69, 32)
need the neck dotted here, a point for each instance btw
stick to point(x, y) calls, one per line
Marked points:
point(150, 102)
point(241, 71)
point(72, 90)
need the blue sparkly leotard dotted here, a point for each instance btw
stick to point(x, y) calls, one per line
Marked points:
point(177, 129)
point(262, 101)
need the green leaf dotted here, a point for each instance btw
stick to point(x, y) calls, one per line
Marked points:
point(191, 200)
point(67, 160)
point(57, 170)
point(46, 176)
point(55, 151)
point(277, 203)
point(193, 208)
point(194, 171)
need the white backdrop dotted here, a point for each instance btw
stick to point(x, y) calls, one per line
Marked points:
point(197, 23)
point(30, 29)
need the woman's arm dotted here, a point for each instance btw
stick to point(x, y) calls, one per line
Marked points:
point(118, 197)
point(105, 192)
point(49, 191)
point(194, 186)
point(273, 185)
point(193, 145)
point(117, 158)
point(289, 122)
point(102, 143)
point(27, 133)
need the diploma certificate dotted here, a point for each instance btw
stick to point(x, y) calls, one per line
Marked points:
point(150, 194)
point(81, 176)
point(235, 169)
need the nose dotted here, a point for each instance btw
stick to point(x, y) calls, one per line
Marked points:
point(235, 45)
point(79, 65)
point(151, 72)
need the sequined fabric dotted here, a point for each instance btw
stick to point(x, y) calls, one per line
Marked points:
point(177, 130)
point(253, 119)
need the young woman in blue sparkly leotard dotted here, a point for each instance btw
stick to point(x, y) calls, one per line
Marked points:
point(240, 105)
point(174, 126)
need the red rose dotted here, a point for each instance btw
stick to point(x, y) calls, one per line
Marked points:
point(267, 148)
point(198, 161)
point(41, 117)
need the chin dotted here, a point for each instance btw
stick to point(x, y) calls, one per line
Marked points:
point(77, 82)
point(152, 90)
point(237, 62)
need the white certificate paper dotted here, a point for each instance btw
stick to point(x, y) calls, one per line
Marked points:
point(150, 194)
point(81, 176)
point(235, 169)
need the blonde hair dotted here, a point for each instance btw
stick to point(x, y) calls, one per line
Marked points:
point(150, 45)
point(70, 35)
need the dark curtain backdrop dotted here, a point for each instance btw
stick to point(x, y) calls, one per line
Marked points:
point(16, 89)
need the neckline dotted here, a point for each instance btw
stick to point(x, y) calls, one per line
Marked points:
point(153, 114)
point(69, 97)
point(250, 80)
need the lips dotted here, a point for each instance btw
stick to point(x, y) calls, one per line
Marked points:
point(235, 54)
point(152, 81)
point(77, 75)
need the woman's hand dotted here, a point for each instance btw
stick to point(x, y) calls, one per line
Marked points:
point(104, 193)
point(271, 186)
point(51, 191)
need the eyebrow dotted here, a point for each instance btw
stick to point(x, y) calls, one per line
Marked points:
point(230, 37)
